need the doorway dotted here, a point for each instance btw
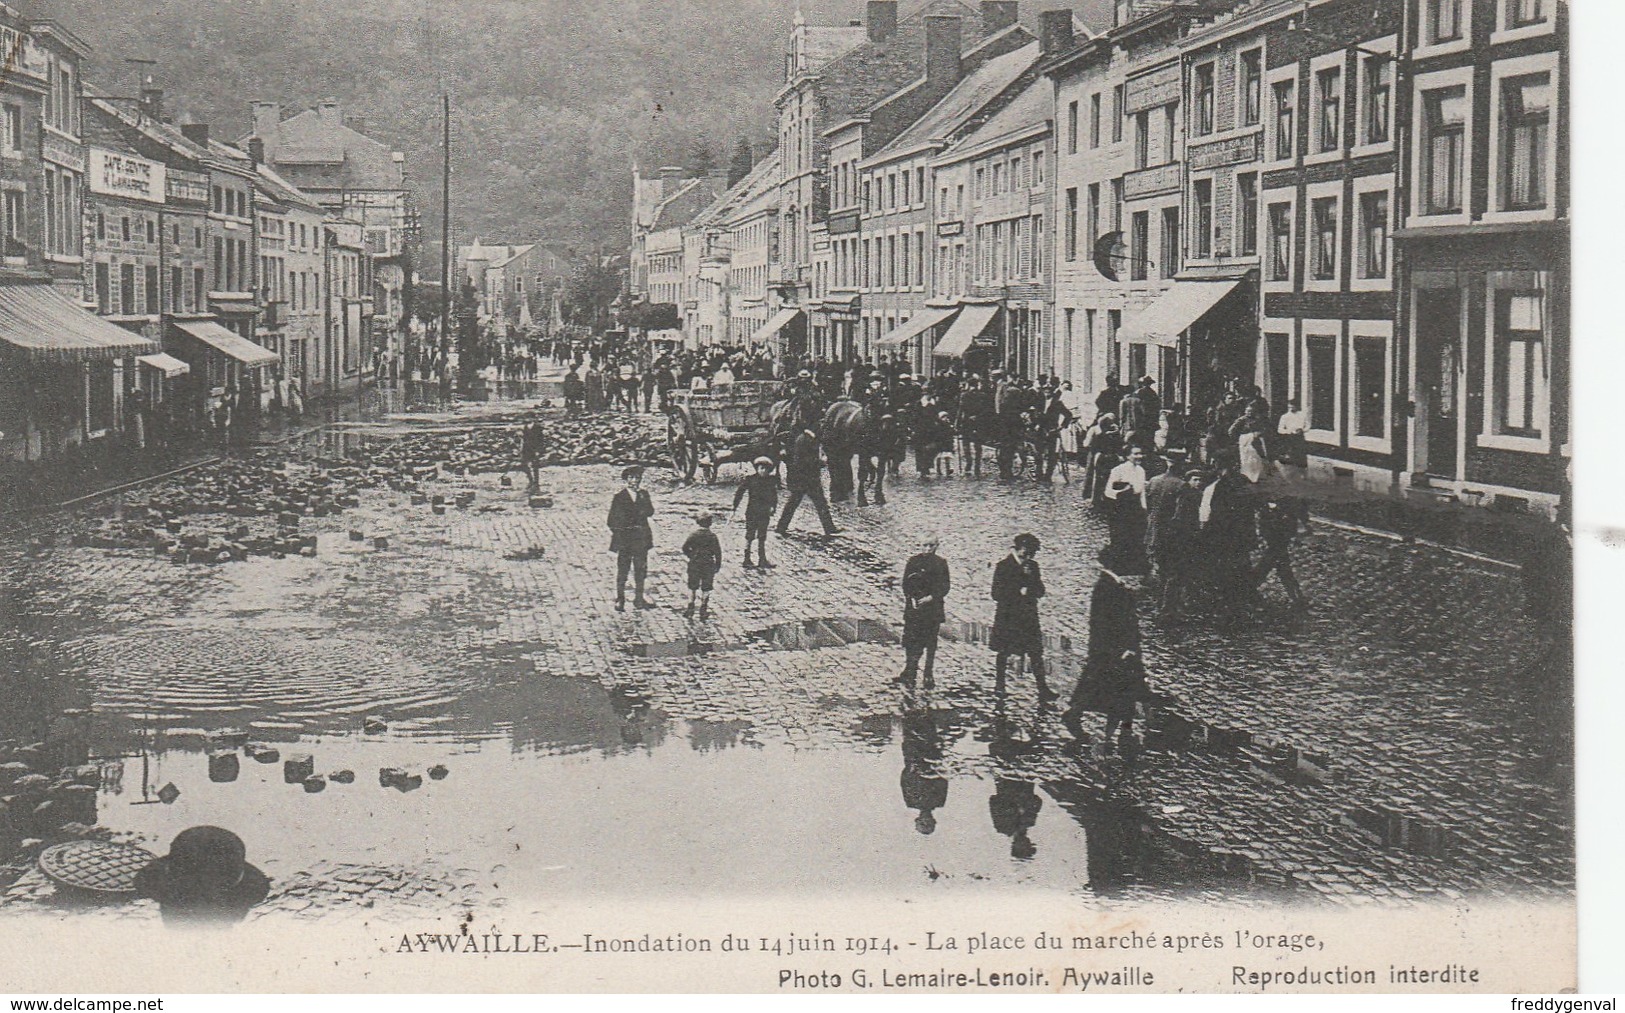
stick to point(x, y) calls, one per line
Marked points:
point(1438, 372)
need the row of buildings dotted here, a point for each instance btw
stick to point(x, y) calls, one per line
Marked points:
point(1360, 206)
point(155, 270)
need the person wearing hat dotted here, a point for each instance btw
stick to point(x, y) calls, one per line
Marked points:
point(1113, 679)
point(804, 477)
point(1017, 586)
point(631, 538)
point(1139, 423)
point(760, 494)
point(704, 552)
point(205, 878)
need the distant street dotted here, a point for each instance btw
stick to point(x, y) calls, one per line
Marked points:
point(1402, 739)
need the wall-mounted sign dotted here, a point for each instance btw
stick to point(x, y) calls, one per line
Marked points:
point(119, 175)
point(1148, 91)
point(1231, 150)
point(63, 152)
point(182, 185)
point(950, 228)
point(22, 54)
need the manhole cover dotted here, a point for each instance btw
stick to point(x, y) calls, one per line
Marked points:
point(95, 866)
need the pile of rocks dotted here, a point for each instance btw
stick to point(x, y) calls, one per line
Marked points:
point(40, 801)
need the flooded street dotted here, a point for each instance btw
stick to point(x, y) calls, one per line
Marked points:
point(588, 753)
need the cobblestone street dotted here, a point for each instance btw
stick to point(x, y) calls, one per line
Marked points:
point(1404, 739)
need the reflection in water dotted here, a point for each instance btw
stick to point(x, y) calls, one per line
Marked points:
point(924, 788)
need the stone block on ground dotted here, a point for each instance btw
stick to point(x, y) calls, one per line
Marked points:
point(297, 767)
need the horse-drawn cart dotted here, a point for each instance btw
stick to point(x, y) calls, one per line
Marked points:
point(731, 423)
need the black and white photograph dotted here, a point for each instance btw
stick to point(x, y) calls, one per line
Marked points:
point(782, 496)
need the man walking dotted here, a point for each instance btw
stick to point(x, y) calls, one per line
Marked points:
point(1278, 525)
point(1017, 586)
point(925, 586)
point(805, 478)
point(760, 492)
point(532, 444)
point(631, 537)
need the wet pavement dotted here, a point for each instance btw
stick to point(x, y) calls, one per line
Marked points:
point(1407, 738)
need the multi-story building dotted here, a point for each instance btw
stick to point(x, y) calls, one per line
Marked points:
point(290, 275)
point(346, 298)
point(1483, 231)
point(1119, 196)
point(996, 284)
point(62, 369)
point(358, 179)
point(900, 197)
point(751, 224)
point(833, 78)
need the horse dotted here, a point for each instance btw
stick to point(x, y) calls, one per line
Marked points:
point(852, 429)
point(788, 417)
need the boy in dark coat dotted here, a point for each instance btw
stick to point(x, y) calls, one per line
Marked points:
point(760, 494)
point(1113, 679)
point(925, 584)
point(1017, 586)
point(631, 537)
point(704, 554)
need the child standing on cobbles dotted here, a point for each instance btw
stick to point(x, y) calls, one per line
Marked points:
point(704, 553)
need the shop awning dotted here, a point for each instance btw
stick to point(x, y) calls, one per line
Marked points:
point(973, 320)
point(777, 323)
point(1175, 310)
point(45, 326)
point(167, 364)
point(916, 326)
point(227, 343)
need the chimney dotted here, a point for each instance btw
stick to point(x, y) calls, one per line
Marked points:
point(997, 15)
point(882, 20)
point(330, 111)
point(197, 133)
point(256, 150)
point(942, 49)
point(671, 177)
point(356, 123)
point(268, 127)
point(152, 101)
point(1056, 32)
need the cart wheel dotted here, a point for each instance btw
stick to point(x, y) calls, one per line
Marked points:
point(684, 455)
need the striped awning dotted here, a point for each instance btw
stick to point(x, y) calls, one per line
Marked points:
point(170, 366)
point(972, 323)
point(227, 343)
point(42, 325)
point(917, 325)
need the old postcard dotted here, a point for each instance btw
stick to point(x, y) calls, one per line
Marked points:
point(874, 497)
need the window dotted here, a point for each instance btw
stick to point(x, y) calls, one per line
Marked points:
point(177, 280)
point(1072, 128)
point(1038, 246)
point(1247, 214)
point(1140, 245)
point(1204, 99)
point(126, 289)
point(1071, 223)
point(1329, 106)
point(1252, 87)
point(1370, 388)
point(1523, 13)
point(104, 294)
point(1323, 252)
point(1379, 88)
point(891, 191)
point(1526, 120)
point(1202, 224)
point(1119, 96)
point(1444, 127)
point(1018, 174)
point(1443, 21)
point(1285, 115)
point(124, 225)
point(1117, 204)
point(199, 288)
point(152, 232)
point(1374, 235)
point(152, 291)
point(11, 123)
point(1094, 120)
point(1093, 232)
point(1170, 242)
point(219, 200)
point(1170, 116)
point(919, 185)
point(51, 212)
point(14, 222)
point(1322, 382)
point(904, 277)
point(1142, 140)
point(907, 197)
point(1520, 394)
point(1280, 268)
point(197, 238)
